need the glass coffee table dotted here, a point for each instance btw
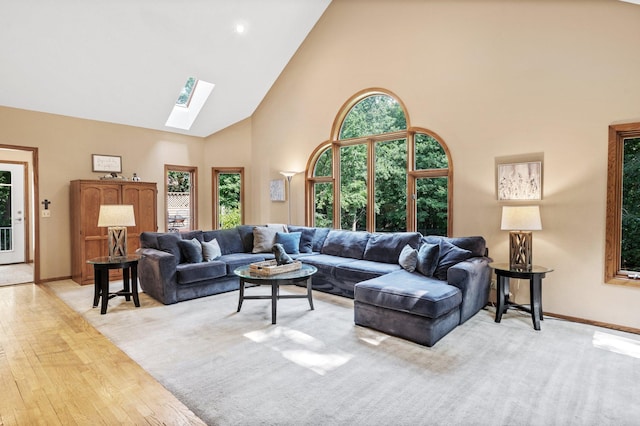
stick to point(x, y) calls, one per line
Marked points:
point(275, 281)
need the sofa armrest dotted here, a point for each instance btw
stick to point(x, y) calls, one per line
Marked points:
point(157, 274)
point(473, 278)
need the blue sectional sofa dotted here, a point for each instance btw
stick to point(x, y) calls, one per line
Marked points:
point(416, 287)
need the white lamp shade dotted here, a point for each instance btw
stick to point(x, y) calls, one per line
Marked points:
point(521, 218)
point(288, 174)
point(116, 215)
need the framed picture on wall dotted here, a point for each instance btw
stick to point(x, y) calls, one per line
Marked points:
point(276, 190)
point(520, 181)
point(106, 163)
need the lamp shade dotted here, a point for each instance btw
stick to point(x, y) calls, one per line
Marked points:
point(116, 215)
point(521, 218)
point(288, 174)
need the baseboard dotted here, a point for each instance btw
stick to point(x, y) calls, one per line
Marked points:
point(48, 280)
point(596, 323)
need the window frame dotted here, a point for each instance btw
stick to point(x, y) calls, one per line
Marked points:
point(412, 174)
point(193, 194)
point(613, 240)
point(215, 193)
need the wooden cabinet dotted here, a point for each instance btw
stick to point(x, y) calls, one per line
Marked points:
point(87, 239)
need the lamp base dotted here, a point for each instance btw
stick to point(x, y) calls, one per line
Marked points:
point(520, 252)
point(117, 237)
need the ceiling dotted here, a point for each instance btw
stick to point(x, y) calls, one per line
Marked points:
point(125, 61)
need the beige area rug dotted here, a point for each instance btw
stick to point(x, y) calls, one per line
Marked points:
point(318, 368)
point(18, 273)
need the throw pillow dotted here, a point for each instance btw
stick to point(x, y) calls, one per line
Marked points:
point(408, 258)
point(290, 241)
point(263, 239)
point(210, 250)
point(191, 250)
point(280, 227)
point(449, 256)
point(427, 259)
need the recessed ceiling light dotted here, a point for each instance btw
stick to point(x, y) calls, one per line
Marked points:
point(240, 28)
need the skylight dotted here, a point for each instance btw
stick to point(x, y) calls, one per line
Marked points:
point(189, 103)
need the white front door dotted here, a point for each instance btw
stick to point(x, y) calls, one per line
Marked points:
point(11, 213)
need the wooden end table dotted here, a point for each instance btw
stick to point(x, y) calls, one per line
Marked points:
point(534, 275)
point(101, 267)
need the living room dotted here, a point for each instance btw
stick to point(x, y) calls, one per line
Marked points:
point(495, 79)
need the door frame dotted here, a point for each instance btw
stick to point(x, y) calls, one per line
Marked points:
point(36, 202)
point(26, 211)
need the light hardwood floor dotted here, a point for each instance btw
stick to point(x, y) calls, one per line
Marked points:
point(56, 369)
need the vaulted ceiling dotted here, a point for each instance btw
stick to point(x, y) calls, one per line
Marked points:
point(125, 61)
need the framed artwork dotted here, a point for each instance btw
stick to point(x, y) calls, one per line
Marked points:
point(520, 181)
point(276, 190)
point(106, 163)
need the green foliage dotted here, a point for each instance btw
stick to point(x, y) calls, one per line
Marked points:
point(229, 218)
point(178, 181)
point(373, 115)
point(630, 254)
point(377, 115)
point(229, 200)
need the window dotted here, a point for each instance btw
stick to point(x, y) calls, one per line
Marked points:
point(228, 197)
point(181, 195)
point(387, 177)
point(622, 255)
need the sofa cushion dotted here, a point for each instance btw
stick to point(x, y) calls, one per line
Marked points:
point(210, 250)
point(362, 270)
point(306, 237)
point(427, 261)
point(476, 245)
point(386, 247)
point(290, 241)
point(236, 260)
point(409, 292)
point(346, 243)
point(449, 256)
point(408, 258)
point(188, 273)
point(263, 239)
point(319, 236)
point(191, 250)
point(149, 240)
point(229, 240)
point(190, 235)
point(169, 244)
point(246, 235)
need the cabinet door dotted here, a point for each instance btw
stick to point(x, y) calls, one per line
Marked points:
point(143, 198)
point(94, 237)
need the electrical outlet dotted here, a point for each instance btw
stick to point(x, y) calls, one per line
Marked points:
point(494, 285)
point(46, 213)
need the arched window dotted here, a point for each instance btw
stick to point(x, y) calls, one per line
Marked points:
point(378, 173)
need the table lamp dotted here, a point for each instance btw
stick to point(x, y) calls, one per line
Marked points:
point(520, 221)
point(116, 217)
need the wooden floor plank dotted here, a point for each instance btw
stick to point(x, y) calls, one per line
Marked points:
point(56, 369)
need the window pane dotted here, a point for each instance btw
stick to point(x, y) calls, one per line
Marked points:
point(431, 202)
point(179, 200)
point(229, 210)
point(353, 187)
point(391, 186)
point(429, 153)
point(373, 115)
point(630, 250)
point(324, 163)
point(323, 200)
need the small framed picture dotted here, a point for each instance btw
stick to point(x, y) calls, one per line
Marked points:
point(520, 181)
point(276, 190)
point(106, 163)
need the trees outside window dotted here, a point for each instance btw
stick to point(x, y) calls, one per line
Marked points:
point(389, 176)
point(228, 197)
point(181, 198)
point(622, 254)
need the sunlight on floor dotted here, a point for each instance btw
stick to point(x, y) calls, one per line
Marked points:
point(301, 348)
point(617, 344)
